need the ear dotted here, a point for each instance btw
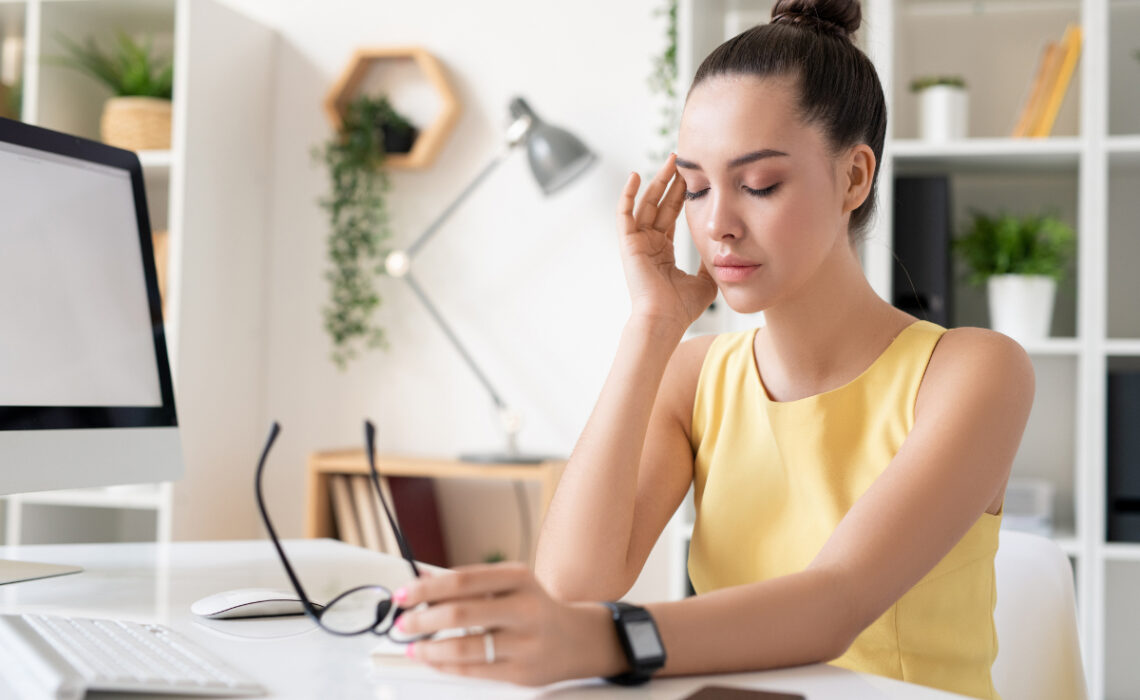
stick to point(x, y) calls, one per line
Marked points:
point(859, 168)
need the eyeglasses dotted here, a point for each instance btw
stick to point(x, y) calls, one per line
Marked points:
point(358, 610)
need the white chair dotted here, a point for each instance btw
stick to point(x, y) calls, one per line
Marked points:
point(1039, 654)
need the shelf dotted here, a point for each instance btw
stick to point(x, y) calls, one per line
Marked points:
point(135, 498)
point(1124, 149)
point(1122, 551)
point(1053, 346)
point(1123, 348)
point(156, 161)
point(354, 81)
point(988, 154)
point(957, 8)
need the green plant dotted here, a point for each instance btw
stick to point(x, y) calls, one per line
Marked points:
point(494, 557)
point(15, 99)
point(128, 68)
point(663, 79)
point(922, 82)
point(1009, 245)
point(358, 215)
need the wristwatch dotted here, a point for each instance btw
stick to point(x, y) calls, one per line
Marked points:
point(640, 641)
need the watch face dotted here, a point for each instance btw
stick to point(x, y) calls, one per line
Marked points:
point(643, 639)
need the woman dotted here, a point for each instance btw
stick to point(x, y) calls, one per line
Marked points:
point(849, 461)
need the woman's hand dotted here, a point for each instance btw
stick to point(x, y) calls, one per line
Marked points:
point(660, 291)
point(535, 639)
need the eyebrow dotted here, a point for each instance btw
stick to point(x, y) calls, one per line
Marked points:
point(735, 162)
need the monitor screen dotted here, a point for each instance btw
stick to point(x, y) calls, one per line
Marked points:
point(86, 396)
point(73, 301)
point(80, 318)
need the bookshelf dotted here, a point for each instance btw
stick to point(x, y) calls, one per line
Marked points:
point(1089, 166)
point(320, 518)
point(218, 115)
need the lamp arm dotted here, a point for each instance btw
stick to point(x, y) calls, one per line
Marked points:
point(455, 341)
point(447, 212)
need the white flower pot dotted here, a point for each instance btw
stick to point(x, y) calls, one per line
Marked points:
point(943, 112)
point(1021, 306)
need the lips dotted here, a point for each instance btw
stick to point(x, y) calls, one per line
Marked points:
point(733, 268)
point(729, 260)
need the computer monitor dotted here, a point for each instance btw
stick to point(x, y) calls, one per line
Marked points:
point(86, 397)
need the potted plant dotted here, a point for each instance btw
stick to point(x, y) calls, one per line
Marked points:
point(358, 216)
point(1020, 259)
point(138, 116)
point(943, 107)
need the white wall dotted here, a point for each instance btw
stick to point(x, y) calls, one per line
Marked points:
point(533, 286)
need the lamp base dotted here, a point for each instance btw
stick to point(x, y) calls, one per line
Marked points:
point(505, 458)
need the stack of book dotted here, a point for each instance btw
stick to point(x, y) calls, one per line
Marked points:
point(1054, 73)
point(361, 519)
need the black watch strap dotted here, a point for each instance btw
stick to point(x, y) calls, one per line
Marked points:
point(639, 639)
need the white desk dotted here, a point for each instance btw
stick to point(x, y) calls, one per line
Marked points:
point(294, 659)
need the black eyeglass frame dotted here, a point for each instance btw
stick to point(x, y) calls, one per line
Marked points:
point(382, 625)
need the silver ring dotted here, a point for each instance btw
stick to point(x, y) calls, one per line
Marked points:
point(489, 647)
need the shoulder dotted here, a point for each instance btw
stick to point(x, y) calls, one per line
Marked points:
point(679, 386)
point(977, 362)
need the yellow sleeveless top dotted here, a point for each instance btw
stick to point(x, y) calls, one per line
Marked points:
point(773, 479)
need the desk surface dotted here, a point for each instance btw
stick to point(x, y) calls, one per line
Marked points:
point(294, 659)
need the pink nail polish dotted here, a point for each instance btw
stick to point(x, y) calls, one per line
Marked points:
point(410, 652)
point(400, 595)
point(400, 623)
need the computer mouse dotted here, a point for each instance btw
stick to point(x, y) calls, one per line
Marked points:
point(249, 602)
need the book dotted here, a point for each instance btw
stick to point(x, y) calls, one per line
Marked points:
point(347, 525)
point(364, 498)
point(1050, 56)
point(387, 534)
point(418, 515)
point(1059, 84)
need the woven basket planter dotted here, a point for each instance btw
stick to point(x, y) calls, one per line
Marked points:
point(137, 123)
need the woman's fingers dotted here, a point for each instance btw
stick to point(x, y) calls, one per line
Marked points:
point(626, 223)
point(465, 582)
point(462, 614)
point(471, 649)
point(646, 211)
point(671, 207)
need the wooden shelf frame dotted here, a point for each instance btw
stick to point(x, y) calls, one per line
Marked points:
point(319, 519)
point(431, 138)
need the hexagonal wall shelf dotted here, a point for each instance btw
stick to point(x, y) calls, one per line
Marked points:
point(431, 137)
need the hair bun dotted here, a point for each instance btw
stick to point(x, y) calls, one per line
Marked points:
point(840, 17)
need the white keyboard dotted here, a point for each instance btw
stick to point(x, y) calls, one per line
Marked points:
point(64, 657)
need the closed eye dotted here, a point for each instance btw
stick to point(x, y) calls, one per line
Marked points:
point(756, 193)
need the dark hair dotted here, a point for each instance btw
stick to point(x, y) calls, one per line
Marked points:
point(839, 90)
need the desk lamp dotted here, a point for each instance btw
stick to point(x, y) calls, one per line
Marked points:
point(556, 158)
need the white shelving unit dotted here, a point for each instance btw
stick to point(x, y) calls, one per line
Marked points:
point(207, 192)
point(1089, 168)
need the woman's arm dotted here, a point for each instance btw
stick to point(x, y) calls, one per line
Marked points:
point(970, 414)
point(633, 462)
point(629, 471)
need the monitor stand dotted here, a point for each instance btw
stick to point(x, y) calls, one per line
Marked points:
point(16, 571)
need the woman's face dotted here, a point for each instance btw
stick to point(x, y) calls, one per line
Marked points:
point(764, 201)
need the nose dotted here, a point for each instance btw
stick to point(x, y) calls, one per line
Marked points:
point(720, 218)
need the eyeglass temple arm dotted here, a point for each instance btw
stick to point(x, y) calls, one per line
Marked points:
point(273, 431)
point(405, 548)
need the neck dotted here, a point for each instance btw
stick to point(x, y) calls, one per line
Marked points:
point(820, 328)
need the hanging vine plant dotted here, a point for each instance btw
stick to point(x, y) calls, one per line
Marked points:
point(663, 80)
point(358, 216)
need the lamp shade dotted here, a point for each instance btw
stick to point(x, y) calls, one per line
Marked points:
point(555, 155)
